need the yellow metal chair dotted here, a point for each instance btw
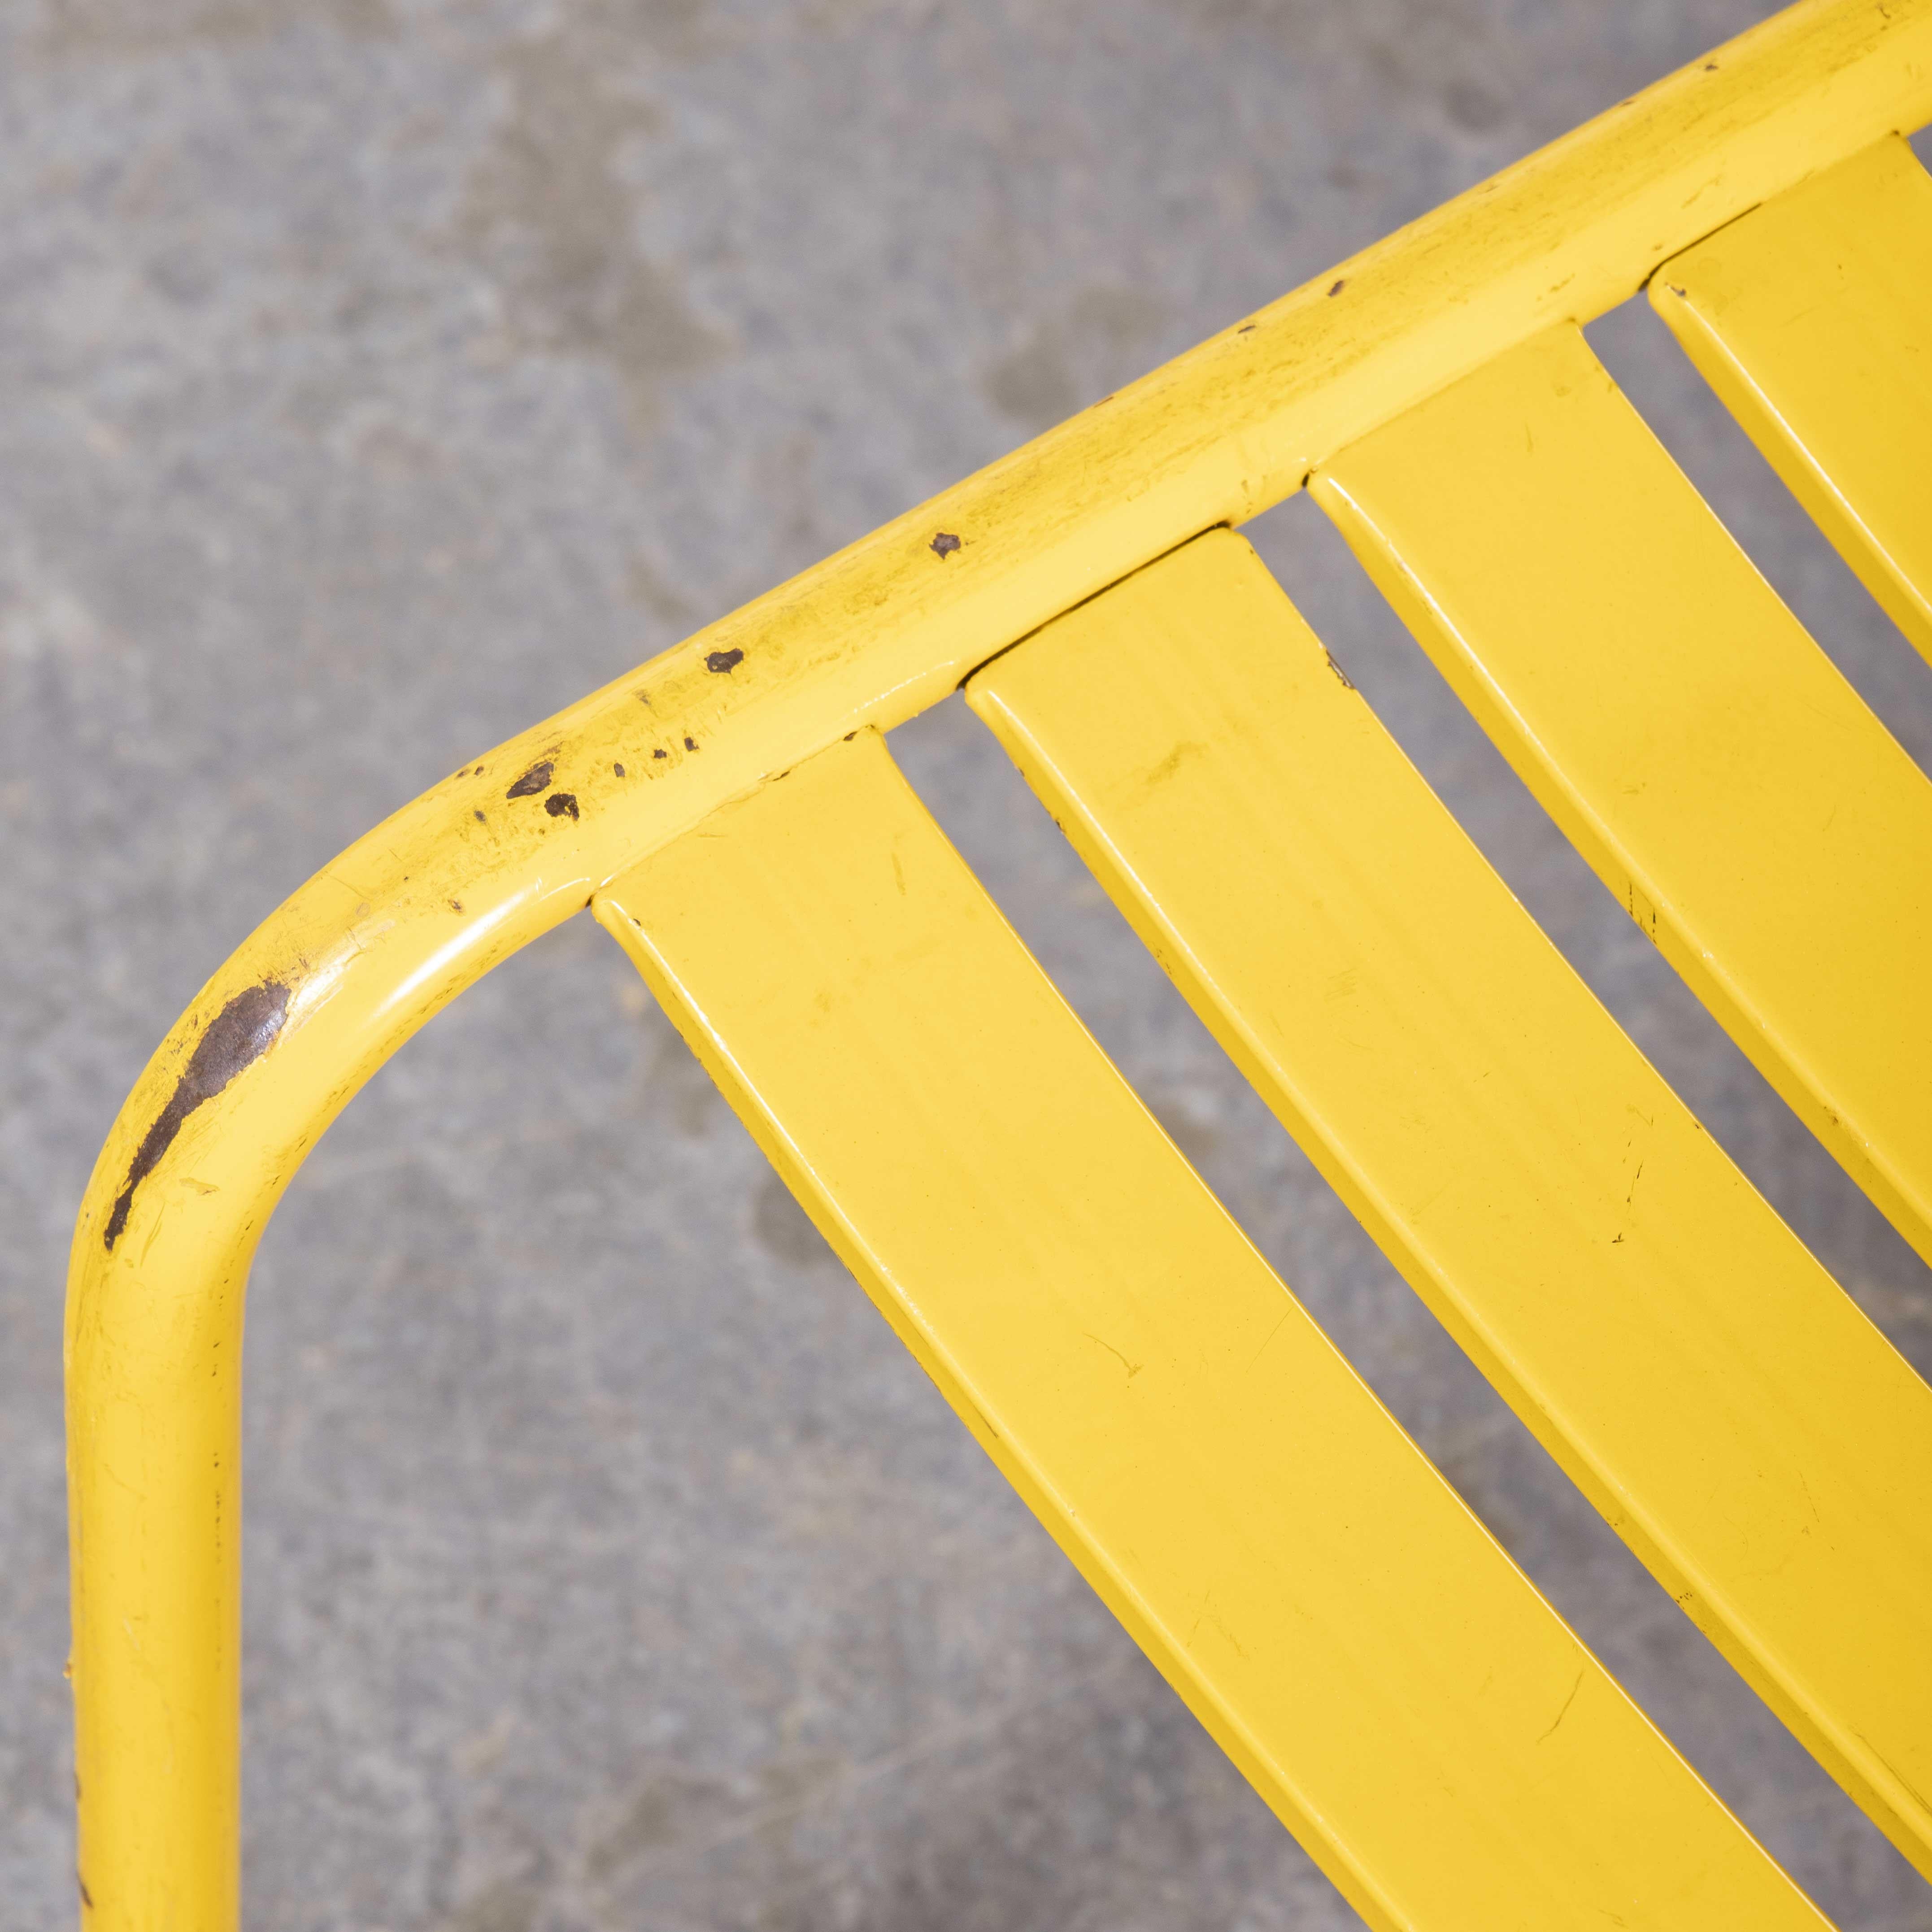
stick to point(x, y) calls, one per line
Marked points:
point(1413, 1711)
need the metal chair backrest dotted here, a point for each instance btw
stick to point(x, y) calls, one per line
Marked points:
point(1411, 1708)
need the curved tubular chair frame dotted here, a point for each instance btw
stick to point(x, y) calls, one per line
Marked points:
point(357, 959)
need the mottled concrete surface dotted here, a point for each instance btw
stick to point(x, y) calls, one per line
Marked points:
point(376, 376)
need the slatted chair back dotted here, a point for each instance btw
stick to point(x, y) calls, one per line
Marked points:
point(1393, 1686)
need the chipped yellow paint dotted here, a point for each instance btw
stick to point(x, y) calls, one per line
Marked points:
point(369, 948)
point(1706, 1384)
point(1698, 748)
point(1812, 318)
point(1388, 1681)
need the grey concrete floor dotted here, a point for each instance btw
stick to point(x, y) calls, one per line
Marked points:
point(377, 375)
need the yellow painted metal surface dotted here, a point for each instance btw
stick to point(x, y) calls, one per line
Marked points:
point(1708, 759)
point(1731, 1412)
point(1392, 1686)
point(340, 975)
point(1812, 318)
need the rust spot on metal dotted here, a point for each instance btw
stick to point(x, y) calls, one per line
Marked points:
point(1336, 287)
point(723, 660)
point(236, 1037)
point(560, 803)
point(658, 752)
point(690, 743)
point(536, 779)
point(943, 545)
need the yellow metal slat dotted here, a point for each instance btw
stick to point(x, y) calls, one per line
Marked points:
point(1729, 786)
point(1389, 1681)
point(1812, 318)
point(1725, 1405)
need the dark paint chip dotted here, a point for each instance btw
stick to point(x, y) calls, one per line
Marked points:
point(237, 1037)
point(691, 744)
point(619, 769)
point(658, 752)
point(536, 779)
point(944, 544)
point(1336, 287)
point(723, 660)
point(560, 802)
